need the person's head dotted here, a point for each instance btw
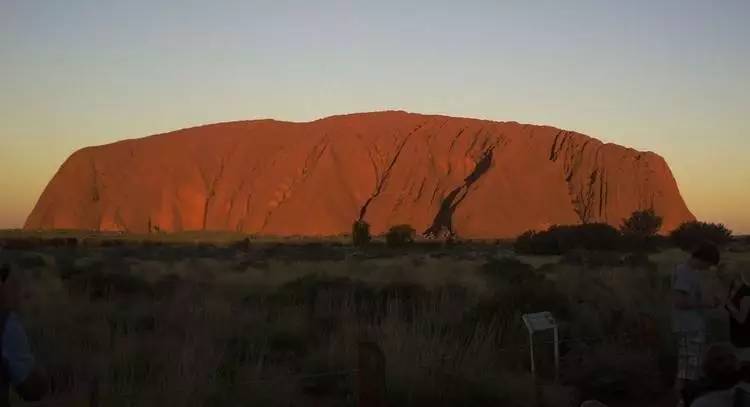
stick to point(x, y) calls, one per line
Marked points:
point(12, 287)
point(705, 256)
point(720, 365)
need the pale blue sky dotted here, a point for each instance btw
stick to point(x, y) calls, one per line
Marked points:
point(669, 76)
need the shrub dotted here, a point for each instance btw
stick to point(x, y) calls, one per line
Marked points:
point(23, 260)
point(642, 224)
point(243, 244)
point(640, 229)
point(559, 240)
point(590, 236)
point(529, 292)
point(541, 243)
point(507, 270)
point(400, 235)
point(361, 233)
point(691, 234)
point(525, 242)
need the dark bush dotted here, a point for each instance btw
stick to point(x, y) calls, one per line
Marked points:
point(692, 234)
point(540, 243)
point(640, 231)
point(645, 244)
point(62, 242)
point(361, 233)
point(242, 245)
point(507, 270)
point(400, 235)
point(525, 242)
point(559, 240)
point(22, 259)
point(642, 224)
point(534, 293)
point(112, 243)
point(591, 236)
point(21, 243)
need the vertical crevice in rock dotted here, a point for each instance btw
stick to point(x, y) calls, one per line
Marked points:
point(588, 193)
point(212, 193)
point(421, 190)
point(95, 194)
point(443, 223)
point(455, 139)
point(555, 150)
point(386, 173)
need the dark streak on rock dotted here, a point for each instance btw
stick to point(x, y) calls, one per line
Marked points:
point(379, 186)
point(443, 222)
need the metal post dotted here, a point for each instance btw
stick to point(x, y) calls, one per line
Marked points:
point(531, 352)
point(540, 322)
point(557, 355)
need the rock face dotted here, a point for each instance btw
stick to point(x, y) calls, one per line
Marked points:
point(474, 178)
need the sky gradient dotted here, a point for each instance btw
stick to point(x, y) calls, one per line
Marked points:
point(671, 76)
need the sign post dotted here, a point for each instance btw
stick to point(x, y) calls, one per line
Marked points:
point(539, 322)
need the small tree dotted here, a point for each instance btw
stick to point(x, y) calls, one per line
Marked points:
point(588, 236)
point(640, 229)
point(533, 242)
point(361, 233)
point(642, 224)
point(691, 234)
point(559, 240)
point(400, 235)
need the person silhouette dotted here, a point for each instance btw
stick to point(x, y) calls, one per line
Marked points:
point(18, 369)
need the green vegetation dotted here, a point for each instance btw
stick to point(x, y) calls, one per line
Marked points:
point(361, 233)
point(400, 235)
point(239, 321)
point(559, 240)
point(691, 234)
point(642, 224)
point(207, 324)
point(639, 231)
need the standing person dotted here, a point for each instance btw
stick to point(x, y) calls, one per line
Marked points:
point(18, 369)
point(691, 300)
point(738, 307)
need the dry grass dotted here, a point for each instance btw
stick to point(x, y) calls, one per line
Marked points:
point(203, 327)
